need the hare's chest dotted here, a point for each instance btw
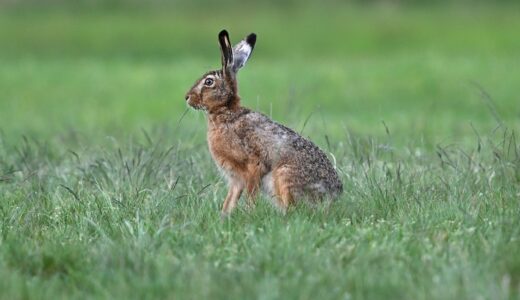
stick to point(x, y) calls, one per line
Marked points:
point(227, 151)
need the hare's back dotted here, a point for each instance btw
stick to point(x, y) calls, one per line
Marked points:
point(302, 162)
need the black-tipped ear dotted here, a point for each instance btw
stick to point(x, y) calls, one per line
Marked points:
point(251, 40)
point(226, 50)
point(242, 51)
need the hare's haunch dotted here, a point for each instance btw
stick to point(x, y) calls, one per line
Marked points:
point(251, 150)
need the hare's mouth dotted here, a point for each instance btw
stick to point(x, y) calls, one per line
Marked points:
point(197, 106)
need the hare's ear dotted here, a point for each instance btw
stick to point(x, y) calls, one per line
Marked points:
point(242, 51)
point(226, 50)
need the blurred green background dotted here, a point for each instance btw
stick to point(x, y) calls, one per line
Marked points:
point(107, 189)
point(116, 67)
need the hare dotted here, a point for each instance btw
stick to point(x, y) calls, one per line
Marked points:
point(252, 151)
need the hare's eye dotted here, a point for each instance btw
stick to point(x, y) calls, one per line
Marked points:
point(208, 81)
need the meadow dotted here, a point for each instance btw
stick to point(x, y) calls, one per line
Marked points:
point(107, 189)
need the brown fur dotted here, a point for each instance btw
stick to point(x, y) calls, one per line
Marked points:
point(253, 151)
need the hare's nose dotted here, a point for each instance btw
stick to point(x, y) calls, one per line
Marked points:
point(187, 97)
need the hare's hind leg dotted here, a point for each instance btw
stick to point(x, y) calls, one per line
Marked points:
point(234, 193)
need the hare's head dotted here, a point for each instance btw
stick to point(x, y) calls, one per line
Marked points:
point(217, 89)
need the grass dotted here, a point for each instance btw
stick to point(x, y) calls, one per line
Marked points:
point(108, 191)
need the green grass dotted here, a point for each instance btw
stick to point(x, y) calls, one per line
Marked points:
point(107, 189)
